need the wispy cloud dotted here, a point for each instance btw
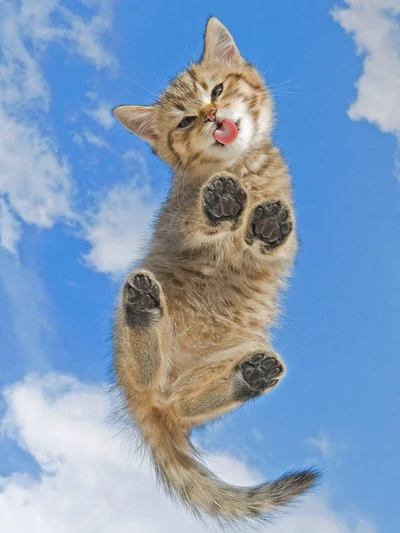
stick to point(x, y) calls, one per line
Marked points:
point(375, 27)
point(10, 228)
point(100, 110)
point(36, 185)
point(89, 480)
point(49, 21)
point(329, 447)
point(116, 227)
point(29, 316)
point(35, 181)
point(90, 138)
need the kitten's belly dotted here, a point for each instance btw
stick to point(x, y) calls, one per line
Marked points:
point(214, 317)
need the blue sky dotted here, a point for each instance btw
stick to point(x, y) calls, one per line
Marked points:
point(77, 197)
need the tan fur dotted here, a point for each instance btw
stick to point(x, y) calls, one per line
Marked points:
point(218, 291)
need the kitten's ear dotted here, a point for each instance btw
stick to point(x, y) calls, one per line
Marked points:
point(140, 120)
point(219, 45)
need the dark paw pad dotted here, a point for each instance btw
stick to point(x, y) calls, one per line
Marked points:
point(223, 199)
point(270, 224)
point(142, 296)
point(259, 373)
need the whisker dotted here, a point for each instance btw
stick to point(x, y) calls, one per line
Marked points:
point(283, 82)
point(146, 100)
point(278, 95)
point(161, 85)
point(275, 93)
point(141, 86)
point(264, 72)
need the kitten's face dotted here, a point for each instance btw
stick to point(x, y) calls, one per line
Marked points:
point(210, 114)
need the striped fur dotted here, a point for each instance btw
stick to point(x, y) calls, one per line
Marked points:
point(179, 353)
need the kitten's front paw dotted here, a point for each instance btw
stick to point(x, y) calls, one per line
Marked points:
point(142, 299)
point(270, 223)
point(223, 199)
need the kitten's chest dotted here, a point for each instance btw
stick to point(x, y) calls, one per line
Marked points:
point(222, 299)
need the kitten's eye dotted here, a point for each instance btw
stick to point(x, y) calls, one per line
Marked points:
point(185, 122)
point(217, 91)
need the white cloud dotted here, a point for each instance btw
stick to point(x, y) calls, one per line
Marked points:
point(100, 111)
point(90, 138)
point(90, 481)
point(28, 28)
point(35, 179)
point(51, 21)
point(29, 316)
point(10, 228)
point(85, 36)
point(375, 27)
point(314, 515)
point(116, 228)
point(322, 443)
point(330, 448)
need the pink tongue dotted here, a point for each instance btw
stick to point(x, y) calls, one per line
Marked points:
point(226, 132)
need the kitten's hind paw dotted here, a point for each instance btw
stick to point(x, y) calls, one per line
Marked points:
point(257, 374)
point(223, 200)
point(270, 223)
point(142, 299)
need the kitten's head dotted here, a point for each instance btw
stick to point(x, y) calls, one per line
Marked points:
point(211, 114)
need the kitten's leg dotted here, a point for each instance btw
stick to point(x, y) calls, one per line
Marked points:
point(140, 329)
point(207, 392)
point(270, 226)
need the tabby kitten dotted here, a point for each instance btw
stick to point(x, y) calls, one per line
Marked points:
point(190, 335)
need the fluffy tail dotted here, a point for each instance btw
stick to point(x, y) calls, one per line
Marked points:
point(201, 490)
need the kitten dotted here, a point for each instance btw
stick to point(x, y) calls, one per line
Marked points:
point(190, 335)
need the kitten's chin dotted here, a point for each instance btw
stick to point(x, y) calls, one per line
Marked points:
point(226, 151)
point(229, 152)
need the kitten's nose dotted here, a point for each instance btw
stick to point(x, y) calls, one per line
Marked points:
point(211, 116)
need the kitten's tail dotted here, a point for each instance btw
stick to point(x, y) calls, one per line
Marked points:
point(185, 477)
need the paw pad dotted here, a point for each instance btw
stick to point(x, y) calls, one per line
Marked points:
point(259, 373)
point(270, 224)
point(142, 295)
point(223, 199)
